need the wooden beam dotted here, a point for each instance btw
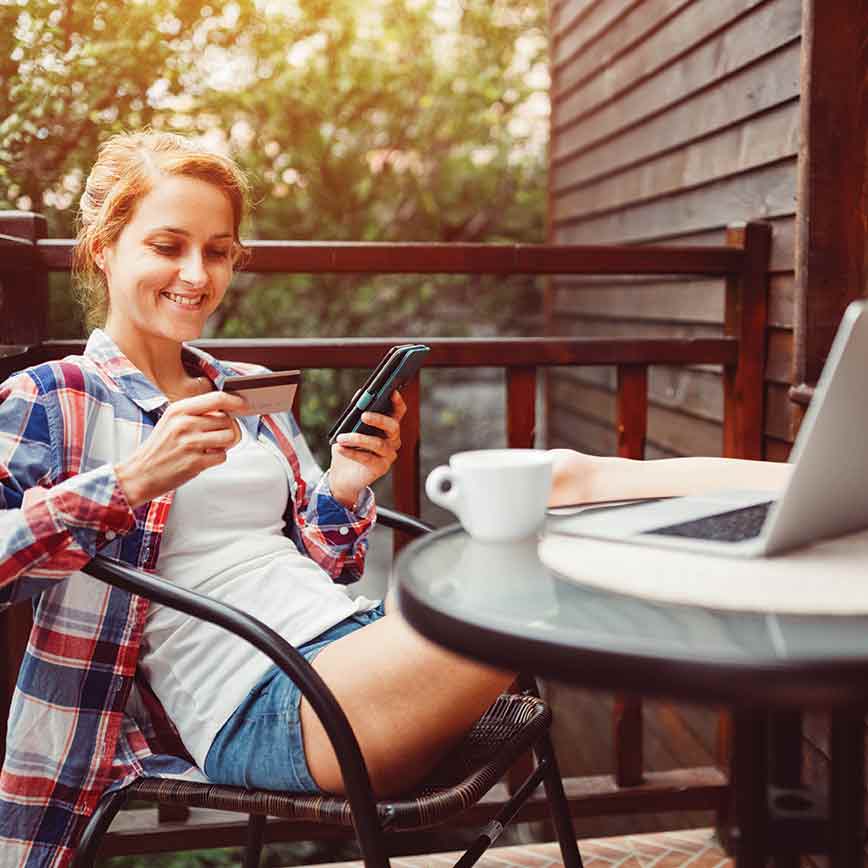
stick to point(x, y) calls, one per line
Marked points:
point(332, 257)
point(361, 353)
point(831, 252)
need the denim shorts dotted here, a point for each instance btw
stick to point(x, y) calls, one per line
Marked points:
point(261, 746)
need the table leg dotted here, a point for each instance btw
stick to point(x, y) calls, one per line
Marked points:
point(785, 766)
point(750, 787)
point(847, 789)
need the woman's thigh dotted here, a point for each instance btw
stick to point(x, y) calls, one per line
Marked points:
point(407, 699)
point(260, 746)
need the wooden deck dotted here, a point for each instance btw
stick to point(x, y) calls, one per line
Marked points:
point(697, 848)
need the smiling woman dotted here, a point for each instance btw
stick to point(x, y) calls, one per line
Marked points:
point(164, 281)
point(128, 169)
point(134, 451)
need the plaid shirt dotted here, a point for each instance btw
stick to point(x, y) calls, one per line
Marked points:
point(77, 723)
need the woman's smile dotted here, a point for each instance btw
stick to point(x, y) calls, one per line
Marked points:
point(191, 302)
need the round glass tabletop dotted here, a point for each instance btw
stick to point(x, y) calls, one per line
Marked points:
point(501, 604)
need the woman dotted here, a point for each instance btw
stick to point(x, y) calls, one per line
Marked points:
point(132, 450)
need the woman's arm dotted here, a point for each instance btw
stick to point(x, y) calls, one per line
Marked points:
point(334, 511)
point(322, 527)
point(51, 521)
point(580, 478)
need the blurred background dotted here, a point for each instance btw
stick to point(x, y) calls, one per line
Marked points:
point(356, 120)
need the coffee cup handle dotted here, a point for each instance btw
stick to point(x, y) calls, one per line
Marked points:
point(447, 498)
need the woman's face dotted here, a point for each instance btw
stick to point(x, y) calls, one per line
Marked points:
point(170, 266)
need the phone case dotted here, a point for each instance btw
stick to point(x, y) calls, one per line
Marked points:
point(382, 365)
point(396, 368)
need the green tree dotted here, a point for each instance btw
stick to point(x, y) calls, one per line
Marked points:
point(380, 120)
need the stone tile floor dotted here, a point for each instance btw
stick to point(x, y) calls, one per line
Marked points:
point(697, 848)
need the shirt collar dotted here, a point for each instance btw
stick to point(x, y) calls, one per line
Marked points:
point(107, 355)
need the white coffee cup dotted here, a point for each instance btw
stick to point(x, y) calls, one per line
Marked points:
point(497, 494)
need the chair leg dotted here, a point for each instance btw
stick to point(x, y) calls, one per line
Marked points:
point(558, 806)
point(106, 811)
point(255, 840)
point(372, 844)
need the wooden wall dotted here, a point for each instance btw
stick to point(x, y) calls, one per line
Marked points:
point(670, 119)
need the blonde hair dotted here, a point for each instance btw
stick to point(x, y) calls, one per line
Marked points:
point(126, 169)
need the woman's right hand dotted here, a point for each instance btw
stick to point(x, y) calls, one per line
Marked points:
point(192, 435)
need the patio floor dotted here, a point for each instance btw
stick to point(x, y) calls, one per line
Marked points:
point(695, 847)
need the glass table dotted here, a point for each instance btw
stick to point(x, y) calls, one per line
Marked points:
point(499, 603)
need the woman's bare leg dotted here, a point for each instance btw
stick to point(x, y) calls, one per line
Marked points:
point(407, 699)
point(580, 478)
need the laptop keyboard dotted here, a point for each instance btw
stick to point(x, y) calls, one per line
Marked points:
point(732, 526)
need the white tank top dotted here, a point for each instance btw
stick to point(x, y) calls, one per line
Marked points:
point(224, 538)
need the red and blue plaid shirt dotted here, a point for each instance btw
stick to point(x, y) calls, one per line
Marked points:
point(77, 725)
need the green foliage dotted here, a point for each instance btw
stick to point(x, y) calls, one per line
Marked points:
point(374, 120)
point(363, 120)
point(195, 859)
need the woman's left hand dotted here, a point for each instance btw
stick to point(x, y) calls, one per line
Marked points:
point(358, 460)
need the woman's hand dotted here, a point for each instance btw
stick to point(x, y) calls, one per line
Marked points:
point(191, 436)
point(360, 459)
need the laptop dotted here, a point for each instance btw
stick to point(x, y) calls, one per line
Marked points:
point(826, 496)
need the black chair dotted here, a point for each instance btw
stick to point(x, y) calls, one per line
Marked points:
point(514, 724)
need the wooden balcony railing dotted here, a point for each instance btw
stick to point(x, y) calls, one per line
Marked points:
point(26, 258)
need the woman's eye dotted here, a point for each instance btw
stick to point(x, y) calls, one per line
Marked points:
point(165, 249)
point(218, 254)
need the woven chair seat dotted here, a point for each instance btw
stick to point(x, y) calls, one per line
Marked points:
point(472, 767)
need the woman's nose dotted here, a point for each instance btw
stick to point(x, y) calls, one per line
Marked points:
point(193, 269)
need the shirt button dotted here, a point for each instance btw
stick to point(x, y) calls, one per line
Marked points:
point(110, 535)
point(344, 531)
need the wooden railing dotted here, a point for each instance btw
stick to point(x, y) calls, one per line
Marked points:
point(26, 258)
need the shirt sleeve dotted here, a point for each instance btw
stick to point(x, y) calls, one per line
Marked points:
point(332, 535)
point(50, 526)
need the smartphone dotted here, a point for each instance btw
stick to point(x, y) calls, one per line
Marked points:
point(375, 395)
point(266, 393)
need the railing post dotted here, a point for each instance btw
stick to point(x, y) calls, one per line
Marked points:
point(631, 426)
point(745, 318)
point(406, 477)
point(23, 314)
point(521, 407)
point(23, 285)
point(632, 410)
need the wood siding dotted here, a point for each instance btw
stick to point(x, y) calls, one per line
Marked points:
point(670, 119)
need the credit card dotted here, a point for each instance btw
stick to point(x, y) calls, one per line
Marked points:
point(266, 393)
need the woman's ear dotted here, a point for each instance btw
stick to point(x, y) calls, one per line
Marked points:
point(97, 252)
